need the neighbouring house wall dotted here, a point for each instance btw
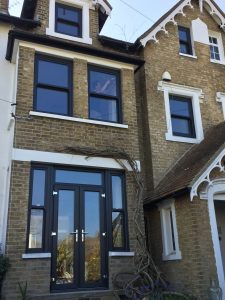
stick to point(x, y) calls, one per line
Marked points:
point(195, 72)
point(7, 96)
point(193, 272)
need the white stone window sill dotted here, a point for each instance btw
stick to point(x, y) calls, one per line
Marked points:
point(120, 254)
point(173, 138)
point(172, 256)
point(85, 40)
point(36, 255)
point(74, 119)
point(188, 55)
point(219, 62)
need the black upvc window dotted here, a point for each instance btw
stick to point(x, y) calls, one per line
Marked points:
point(53, 85)
point(68, 20)
point(37, 209)
point(104, 95)
point(185, 40)
point(182, 116)
point(119, 237)
point(214, 48)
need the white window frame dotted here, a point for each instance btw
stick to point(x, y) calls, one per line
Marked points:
point(218, 36)
point(82, 4)
point(167, 240)
point(196, 95)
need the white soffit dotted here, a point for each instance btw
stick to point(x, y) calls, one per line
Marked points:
point(106, 8)
point(207, 4)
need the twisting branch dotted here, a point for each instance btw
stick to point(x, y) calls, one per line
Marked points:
point(147, 276)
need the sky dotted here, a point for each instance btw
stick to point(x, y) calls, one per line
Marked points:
point(126, 23)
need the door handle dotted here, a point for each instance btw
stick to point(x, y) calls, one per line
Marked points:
point(76, 234)
point(83, 235)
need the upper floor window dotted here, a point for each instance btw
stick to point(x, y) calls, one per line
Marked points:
point(104, 95)
point(53, 85)
point(68, 20)
point(185, 40)
point(182, 116)
point(216, 47)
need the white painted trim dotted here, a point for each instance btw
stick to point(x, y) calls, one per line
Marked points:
point(218, 36)
point(162, 26)
point(36, 255)
point(205, 176)
point(220, 97)
point(196, 96)
point(218, 186)
point(121, 254)
point(74, 119)
point(207, 4)
point(103, 4)
point(167, 254)
point(188, 55)
point(85, 6)
point(73, 55)
point(69, 159)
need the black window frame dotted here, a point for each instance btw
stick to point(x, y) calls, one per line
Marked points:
point(50, 181)
point(187, 43)
point(76, 24)
point(69, 89)
point(106, 97)
point(190, 119)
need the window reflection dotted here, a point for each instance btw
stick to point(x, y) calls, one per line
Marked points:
point(36, 229)
point(38, 190)
point(78, 177)
point(117, 229)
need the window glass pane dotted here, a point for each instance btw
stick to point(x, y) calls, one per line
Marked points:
point(117, 229)
point(38, 189)
point(179, 107)
point(103, 109)
point(184, 49)
point(103, 83)
point(214, 40)
point(66, 28)
point(36, 229)
point(181, 126)
point(51, 73)
point(67, 13)
point(52, 101)
point(65, 240)
point(77, 177)
point(117, 195)
point(170, 242)
point(183, 34)
point(217, 56)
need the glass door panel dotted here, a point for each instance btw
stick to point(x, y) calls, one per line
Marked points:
point(91, 237)
point(65, 238)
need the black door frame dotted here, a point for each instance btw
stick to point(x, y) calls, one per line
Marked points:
point(79, 246)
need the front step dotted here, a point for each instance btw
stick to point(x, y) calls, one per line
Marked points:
point(90, 295)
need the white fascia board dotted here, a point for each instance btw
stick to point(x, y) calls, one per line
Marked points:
point(69, 159)
point(207, 4)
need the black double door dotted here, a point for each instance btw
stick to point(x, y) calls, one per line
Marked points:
point(79, 238)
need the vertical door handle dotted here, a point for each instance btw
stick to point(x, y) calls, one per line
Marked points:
point(76, 234)
point(83, 235)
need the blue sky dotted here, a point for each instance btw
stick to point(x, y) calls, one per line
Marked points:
point(125, 23)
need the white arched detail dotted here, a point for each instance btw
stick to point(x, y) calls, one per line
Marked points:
point(205, 177)
point(217, 187)
point(207, 4)
point(107, 9)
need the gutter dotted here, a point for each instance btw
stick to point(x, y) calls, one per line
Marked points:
point(57, 43)
point(148, 204)
point(19, 22)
